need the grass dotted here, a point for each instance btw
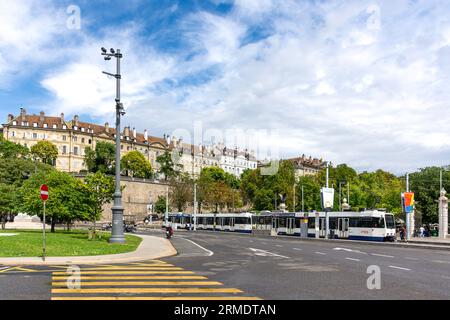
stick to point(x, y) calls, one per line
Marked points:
point(62, 244)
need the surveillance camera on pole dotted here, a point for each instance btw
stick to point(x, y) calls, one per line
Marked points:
point(117, 235)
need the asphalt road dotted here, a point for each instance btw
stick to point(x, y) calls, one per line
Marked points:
point(291, 268)
point(228, 265)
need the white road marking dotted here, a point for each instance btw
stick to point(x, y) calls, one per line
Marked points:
point(264, 253)
point(395, 267)
point(279, 245)
point(210, 253)
point(409, 258)
point(320, 253)
point(3, 268)
point(298, 249)
point(352, 259)
point(440, 261)
point(381, 255)
point(349, 250)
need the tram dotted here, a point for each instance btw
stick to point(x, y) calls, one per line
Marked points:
point(233, 222)
point(371, 225)
point(178, 220)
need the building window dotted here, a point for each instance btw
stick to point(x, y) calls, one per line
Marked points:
point(82, 140)
point(35, 124)
point(75, 139)
point(75, 128)
point(14, 123)
point(75, 151)
point(55, 126)
point(64, 127)
point(13, 134)
point(90, 141)
point(64, 138)
point(82, 129)
point(45, 125)
point(34, 135)
point(64, 150)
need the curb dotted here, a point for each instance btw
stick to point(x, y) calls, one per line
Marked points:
point(140, 254)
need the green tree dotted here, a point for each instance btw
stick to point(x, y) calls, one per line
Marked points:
point(160, 205)
point(135, 163)
point(10, 149)
point(181, 191)
point(67, 197)
point(166, 165)
point(99, 191)
point(7, 202)
point(102, 158)
point(45, 151)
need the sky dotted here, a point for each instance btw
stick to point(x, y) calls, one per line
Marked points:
point(350, 81)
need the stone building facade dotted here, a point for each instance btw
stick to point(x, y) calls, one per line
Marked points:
point(71, 137)
point(192, 159)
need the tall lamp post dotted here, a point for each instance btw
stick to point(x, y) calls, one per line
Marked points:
point(117, 235)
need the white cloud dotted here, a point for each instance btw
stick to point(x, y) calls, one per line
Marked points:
point(333, 88)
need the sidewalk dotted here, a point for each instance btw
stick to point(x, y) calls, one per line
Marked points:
point(431, 240)
point(150, 248)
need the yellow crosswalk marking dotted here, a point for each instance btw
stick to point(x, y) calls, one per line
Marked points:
point(156, 298)
point(149, 290)
point(82, 278)
point(126, 272)
point(130, 268)
point(141, 283)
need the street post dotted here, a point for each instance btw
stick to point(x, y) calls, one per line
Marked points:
point(44, 197)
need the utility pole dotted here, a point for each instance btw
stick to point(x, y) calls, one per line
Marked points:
point(348, 194)
point(166, 217)
point(327, 219)
point(294, 198)
point(195, 206)
point(303, 202)
point(440, 180)
point(117, 235)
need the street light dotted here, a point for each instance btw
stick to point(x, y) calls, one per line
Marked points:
point(117, 235)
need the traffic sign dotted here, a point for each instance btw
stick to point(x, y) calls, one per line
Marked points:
point(44, 192)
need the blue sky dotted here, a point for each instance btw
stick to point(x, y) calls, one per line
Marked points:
point(361, 82)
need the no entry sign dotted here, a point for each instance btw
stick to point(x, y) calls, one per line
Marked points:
point(44, 192)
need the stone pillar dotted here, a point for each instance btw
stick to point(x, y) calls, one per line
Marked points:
point(443, 215)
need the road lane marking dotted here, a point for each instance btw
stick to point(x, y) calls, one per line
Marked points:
point(440, 261)
point(352, 259)
point(279, 245)
point(381, 255)
point(82, 278)
point(149, 290)
point(156, 298)
point(317, 252)
point(210, 253)
point(409, 258)
point(133, 268)
point(395, 267)
point(349, 250)
point(3, 268)
point(264, 253)
point(141, 283)
point(298, 249)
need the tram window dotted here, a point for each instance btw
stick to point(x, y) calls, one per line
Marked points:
point(390, 221)
point(245, 220)
point(281, 222)
point(311, 223)
point(297, 222)
point(226, 221)
point(210, 220)
point(333, 223)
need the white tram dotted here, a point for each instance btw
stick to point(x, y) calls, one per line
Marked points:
point(235, 222)
point(371, 225)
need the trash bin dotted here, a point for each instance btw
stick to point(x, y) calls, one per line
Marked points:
point(434, 233)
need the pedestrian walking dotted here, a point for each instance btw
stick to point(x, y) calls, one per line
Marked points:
point(422, 231)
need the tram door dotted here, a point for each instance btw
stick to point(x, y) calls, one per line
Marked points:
point(322, 227)
point(274, 230)
point(290, 225)
point(343, 227)
point(231, 224)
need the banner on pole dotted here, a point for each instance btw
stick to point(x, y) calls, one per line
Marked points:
point(408, 201)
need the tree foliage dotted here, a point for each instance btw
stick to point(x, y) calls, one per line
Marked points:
point(101, 159)
point(181, 191)
point(166, 165)
point(45, 151)
point(135, 163)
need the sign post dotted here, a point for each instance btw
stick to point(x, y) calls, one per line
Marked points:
point(327, 197)
point(44, 197)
